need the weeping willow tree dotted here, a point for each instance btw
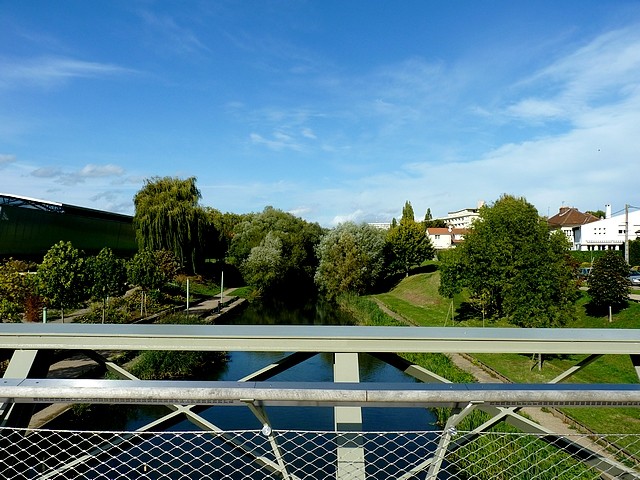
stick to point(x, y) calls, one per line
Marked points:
point(168, 217)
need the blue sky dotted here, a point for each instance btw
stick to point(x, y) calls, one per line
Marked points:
point(332, 110)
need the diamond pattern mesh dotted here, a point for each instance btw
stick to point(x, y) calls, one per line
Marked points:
point(64, 454)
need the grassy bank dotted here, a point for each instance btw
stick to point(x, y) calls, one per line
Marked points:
point(489, 455)
point(416, 298)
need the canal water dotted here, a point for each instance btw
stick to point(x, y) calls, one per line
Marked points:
point(240, 364)
point(315, 458)
point(317, 369)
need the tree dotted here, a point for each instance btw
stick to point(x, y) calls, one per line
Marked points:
point(221, 232)
point(513, 267)
point(264, 266)
point(430, 222)
point(144, 271)
point(15, 289)
point(634, 252)
point(407, 213)
point(108, 275)
point(351, 259)
point(408, 245)
point(608, 284)
point(298, 242)
point(597, 213)
point(168, 217)
point(62, 277)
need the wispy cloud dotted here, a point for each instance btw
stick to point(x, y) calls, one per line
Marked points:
point(604, 71)
point(6, 159)
point(278, 141)
point(89, 171)
point(174, 37)
point(46, 172)
point(50, 71)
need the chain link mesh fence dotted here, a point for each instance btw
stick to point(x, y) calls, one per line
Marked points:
point(64, 454)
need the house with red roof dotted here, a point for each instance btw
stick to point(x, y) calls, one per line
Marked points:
point(443, 238)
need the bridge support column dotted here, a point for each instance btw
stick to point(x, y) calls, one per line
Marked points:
point(348, 419)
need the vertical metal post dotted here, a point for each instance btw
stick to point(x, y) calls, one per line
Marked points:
point(221, 291)
point(350, 451)
point(187, 296)
point(44, 314)
point(626, 233)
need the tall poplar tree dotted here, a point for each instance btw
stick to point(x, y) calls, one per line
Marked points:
point(407, 242)
point(168, 217)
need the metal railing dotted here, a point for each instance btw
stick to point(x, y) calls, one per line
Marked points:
point(279, 454)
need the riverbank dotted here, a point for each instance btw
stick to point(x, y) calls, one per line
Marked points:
point(81, 366)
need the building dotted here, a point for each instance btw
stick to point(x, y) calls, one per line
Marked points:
point(30, 227)
point(381, 225)
point(609, 233)
point(569, 220)
point(445, 238)
point(463, 218)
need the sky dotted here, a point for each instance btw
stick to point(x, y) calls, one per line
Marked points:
point(333, 110)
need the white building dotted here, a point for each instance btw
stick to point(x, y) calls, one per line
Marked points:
point(608, 233)
point(463, 218)
point(381, 225)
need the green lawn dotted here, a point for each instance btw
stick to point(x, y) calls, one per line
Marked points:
point(416, 298)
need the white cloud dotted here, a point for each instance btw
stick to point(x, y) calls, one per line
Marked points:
point(50, 71)
point(308, 133)
point(604, 71)
point(95, 171)
point(354, 216)
point(174, 37)
point(47, 172)
point(280, 141)
point(6, 159)
point(89, 171)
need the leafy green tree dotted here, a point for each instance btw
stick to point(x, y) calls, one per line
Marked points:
point(408, 245)
point(634, 252)
point(513, 267)
point(608, 283)
point(108, 276)
point(62, 279)
point(144, 271)
point(168, 217)
point(298, 241)
point(221, 231)
point(597, 213)
point(264, 266)
point(15, 288)
point(351, 259)
point(430, 222)
point(407, 213)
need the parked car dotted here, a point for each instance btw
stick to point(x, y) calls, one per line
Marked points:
point(634, 279)
point(584, 272)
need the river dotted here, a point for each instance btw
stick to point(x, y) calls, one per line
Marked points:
point(318, 368)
